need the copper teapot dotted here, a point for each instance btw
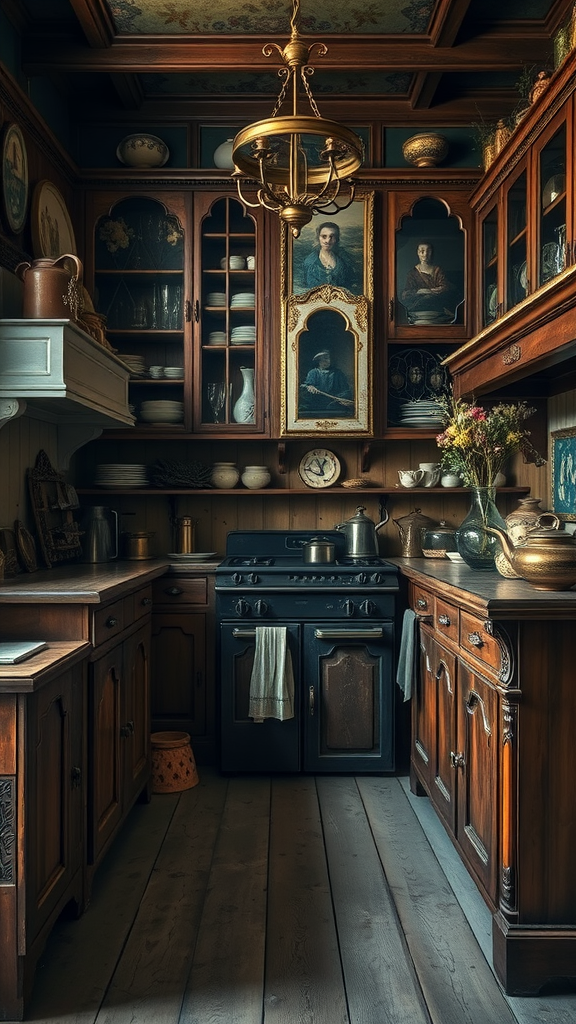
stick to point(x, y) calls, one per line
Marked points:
point(51, 288)
point(547, 558)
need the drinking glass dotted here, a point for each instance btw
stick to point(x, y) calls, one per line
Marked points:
point(216, 398)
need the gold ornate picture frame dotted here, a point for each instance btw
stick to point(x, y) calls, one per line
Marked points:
point(327, 299)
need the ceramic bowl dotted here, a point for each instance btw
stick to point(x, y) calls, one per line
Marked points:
point(425, 150)
point(142, 150)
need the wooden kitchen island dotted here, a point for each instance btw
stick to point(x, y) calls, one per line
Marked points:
point(74, 745)
point(493, 746)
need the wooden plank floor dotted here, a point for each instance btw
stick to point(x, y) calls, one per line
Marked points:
point(284, 900)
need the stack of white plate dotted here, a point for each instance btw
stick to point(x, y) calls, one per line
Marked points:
point(243, 299)
point(120, 474)
point(217, 338)
point(136, 364)
point(430, 317)
point(425, 413)
point(162, 412)
point(216, 299)
point(174, 372)
point(243, 335)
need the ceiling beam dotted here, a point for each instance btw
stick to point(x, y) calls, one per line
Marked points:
point(129, 90)
point(96, 21)
point(423, 89)
point(171, 54)
point(447, 20)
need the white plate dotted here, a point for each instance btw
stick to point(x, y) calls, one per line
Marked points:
point(195, 556)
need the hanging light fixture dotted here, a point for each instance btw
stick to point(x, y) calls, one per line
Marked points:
point(302, 162)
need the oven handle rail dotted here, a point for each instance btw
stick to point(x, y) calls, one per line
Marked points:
point(372, 633)
point(254, 589)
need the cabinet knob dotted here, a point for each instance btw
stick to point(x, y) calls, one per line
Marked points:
point(111, 621)
point(457, 760)
point(421, 602)
point(127, 730)
point(444, 620)
point(173, 591)
point(75, 777)
point(146, 601)
point(475, 639)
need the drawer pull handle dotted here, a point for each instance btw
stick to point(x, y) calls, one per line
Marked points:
point(146, 601)
point(475, 639)
point(444, 620)
point(173, 591)
point(457, 760)
point(76, 778)
point(127, 730)
point(311, 701)
point(422, 602)
point(111, 622)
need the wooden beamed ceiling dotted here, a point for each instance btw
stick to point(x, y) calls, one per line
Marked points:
point(463, 67)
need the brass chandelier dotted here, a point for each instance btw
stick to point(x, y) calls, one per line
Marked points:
point(301, 161)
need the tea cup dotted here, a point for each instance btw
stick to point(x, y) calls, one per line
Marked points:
point(431, 471)
point(410, 477)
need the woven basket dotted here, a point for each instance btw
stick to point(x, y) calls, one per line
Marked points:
point(173, 764)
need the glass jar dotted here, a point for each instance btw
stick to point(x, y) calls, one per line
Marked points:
point(256, 476)
point(225, 475)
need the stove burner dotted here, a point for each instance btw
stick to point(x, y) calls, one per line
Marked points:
point(254, 560)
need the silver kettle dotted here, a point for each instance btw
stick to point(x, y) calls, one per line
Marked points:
point(100, 541)
point(361, 534)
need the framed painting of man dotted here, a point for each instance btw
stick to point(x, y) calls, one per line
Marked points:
point(326, 364)
point(563, 473)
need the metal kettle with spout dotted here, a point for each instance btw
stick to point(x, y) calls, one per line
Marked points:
point(361, 534)
point(100, 526)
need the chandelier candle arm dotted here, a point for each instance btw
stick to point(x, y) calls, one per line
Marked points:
point(301, 161)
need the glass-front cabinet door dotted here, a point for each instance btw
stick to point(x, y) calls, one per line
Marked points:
point(551, 199)
point(489, 285)
point(229, 318)
point(517, 284)
point(139, 287)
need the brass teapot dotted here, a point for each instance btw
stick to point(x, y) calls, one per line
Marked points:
point(546, 558)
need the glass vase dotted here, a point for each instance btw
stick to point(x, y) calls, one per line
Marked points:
point(477, 546)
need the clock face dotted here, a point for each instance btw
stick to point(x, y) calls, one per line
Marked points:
point(319, 468)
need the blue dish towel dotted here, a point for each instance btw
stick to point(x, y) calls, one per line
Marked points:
point(272, 679)
point(406, 671)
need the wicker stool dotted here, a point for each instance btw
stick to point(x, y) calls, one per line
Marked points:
point(173, 764)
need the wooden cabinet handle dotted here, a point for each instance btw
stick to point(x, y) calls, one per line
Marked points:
point(173, 591)
point(444, 620)
point(475, 639)
point(111, 622)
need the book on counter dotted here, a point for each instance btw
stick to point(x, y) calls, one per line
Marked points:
point(18, 650)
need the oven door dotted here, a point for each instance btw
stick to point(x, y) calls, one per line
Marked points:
point(348, 697)
point(248, 746)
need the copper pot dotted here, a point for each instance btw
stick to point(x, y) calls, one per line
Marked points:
point(137, 545)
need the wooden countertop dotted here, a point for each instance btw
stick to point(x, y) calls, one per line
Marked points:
point(81, 584)
point(34, 672)
point(488, 593)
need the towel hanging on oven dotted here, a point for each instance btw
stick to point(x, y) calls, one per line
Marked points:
point(272, 679)
point(408, 656)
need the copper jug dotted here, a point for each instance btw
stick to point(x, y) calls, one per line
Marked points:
point(410, 528)
point(50, 288)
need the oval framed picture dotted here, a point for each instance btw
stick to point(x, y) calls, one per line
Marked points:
point(14, 178)
point(52, 231)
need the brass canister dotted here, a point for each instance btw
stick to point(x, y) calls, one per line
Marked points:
point(185, 535)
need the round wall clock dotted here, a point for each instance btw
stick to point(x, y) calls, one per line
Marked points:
point(319, 468)
point(14, 178)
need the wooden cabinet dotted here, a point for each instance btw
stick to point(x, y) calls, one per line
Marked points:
point(493, 718)
point(182, 663)
point(43, 783)
point(119, 719)
point(525, 210)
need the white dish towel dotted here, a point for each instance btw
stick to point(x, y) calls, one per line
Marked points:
point(272, 679)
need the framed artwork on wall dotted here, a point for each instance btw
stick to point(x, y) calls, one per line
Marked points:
point(333, 249)
point(326, 364)
point(14, 178)
point(429, 267)
point(563, 473)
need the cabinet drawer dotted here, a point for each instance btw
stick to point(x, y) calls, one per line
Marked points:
point(107, 622)
point(474, 639)
point(140, 603)
point(175, 590)
point(422, 601)
point(447, 619)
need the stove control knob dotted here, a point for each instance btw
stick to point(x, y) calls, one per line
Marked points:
point(261, 608)
point(236, 578)
point(361, 578)
point(242, 608)
point(367, 608)
point(376, 577)
point(348, 608)
point(253, 577)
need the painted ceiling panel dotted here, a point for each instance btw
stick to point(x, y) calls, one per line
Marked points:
point(268, 84)
point(256, 16)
